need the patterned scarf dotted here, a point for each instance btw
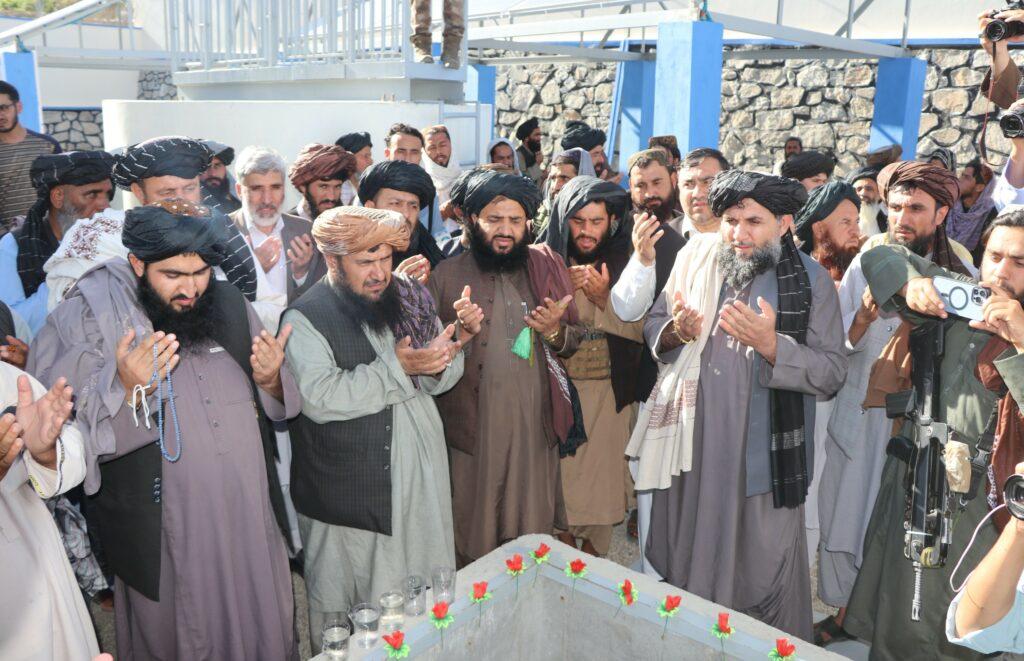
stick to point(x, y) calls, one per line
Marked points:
point(788, 456)
point(36, 243)
point(1008, 448)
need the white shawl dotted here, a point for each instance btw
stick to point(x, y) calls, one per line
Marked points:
point(89, 242)
point(442, 176)
point(662, 439)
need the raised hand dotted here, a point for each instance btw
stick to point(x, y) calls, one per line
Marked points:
point(578, 276)
point(470, 316)
point(547, 319)
point(646, 232)
point(597, 285)
point(268, 253)
point(267, 358)
point(11, 444)
point(14, 352)
point(416, 267)
point(429, 360)
point(922, 297)
point(686, 321)
point(42, 419)
point(868, 310)
point(1003, 316)
point(757, 331)
point(135, 366)
point(446, 342)
point(300, 254)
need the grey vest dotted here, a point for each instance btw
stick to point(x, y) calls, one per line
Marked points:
point(341, 470)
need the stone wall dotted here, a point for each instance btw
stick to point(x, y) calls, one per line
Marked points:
point(75, 129)
point(156, 86)
point(829, 104)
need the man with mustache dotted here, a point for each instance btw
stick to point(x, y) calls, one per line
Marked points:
point(873, 219)
point(748, 329)
point(360, 146)
point(810, 168)
point(177, 384)
point(696, 172)
point(589, 229)
point(531, 160)
point(508, 417)
point(19, 146)
point(827, 227)
point(318, 174)
point(591, 140)
point(564, 167)
point(217, 188)
point(369, 471)
point(653, 187)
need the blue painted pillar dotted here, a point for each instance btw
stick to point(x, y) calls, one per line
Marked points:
point(636, 109)
point(20, 70)
point(688, 80)
point(899, 90)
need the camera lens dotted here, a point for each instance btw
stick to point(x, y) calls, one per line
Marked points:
point(1012, 125)
point(997, 30)
point(1013, 495)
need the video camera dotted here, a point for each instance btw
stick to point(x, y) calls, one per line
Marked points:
point(998, 29)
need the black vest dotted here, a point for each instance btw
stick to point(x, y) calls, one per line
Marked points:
point(341, 470)
point(665, 250)
point(127, 507)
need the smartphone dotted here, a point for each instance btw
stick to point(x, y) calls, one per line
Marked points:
point(964, 299)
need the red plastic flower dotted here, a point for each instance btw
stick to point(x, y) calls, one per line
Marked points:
point(395, 640)
point(541, 554)
point(672, 603)
point(440, 610)
point(783, 649)
point(515, 564)
point(480, 591)
point(723, 624)
point(577, 566)
point(626, 592)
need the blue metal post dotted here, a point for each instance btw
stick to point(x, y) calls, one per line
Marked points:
point(688, 80)
point(481, 83)
point(636, 109)
point(19, 69)
point(899, 89)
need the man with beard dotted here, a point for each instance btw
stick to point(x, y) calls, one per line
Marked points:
point(68, 187)
point(176, 385)
point(872, 217)
point(917, 196)
point(529, 136)
point(810, 168)
point(439, 164)
point(791, 147)
point(407, 189)
point(827, 227)
point(565, 166)
point(370, 472)
point(696, 173)
point(215, 183)
point(18, 148)
point(579, 134)
point(361, 147)
point(507, 417)
point(589, 229)
point(976, 208)
point(749, 330)
point(318, 174)
point(653, 187)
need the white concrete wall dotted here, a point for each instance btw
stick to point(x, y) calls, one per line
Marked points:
point(286, 126)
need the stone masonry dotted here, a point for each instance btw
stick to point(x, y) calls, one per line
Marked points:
point(75, 130)
point(828, 104)
point(156, 86)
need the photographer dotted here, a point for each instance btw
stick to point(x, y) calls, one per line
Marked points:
point(1001, 85)
point(977, 360)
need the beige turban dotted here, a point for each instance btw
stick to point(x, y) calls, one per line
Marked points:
point(348, 230)
point(317, 161)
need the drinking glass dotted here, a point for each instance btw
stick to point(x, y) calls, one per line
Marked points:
point(335, 634)
point(366, 620)
point(415, 595)
point(443, 584)
point(392, 610)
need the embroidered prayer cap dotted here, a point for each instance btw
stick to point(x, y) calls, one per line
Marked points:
point(397, 175)
point(318, 162)
point(174, 227)
point(348, 230)
point(944, 156)
point(646, 156)
point(576, 194)
point(779, 195)
point(935, 180)
point(220, 150)
point(526, 128)
point(821, 202)
point(807, 164)
point(353, 142)
point(580, 134)
point(175, 156)
point(75, 168)
point(866, 172)
point(486, 185)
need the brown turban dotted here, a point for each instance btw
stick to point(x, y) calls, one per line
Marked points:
point(348, 230)
point(937, 181)
point(317, 161)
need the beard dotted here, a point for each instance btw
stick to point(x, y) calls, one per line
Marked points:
point(490, 261)
point(317, 209)
point(443, 160)
point(215, 183)
point(592, 255)
point(659, 207)
point(260, 220)
point(66, 217)
point(833, 258)
point(741, 271)
point(919, 245)
point(379, 315)
point(13, 126)
point(533, 145)
point(192, 327)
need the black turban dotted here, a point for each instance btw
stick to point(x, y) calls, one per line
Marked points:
point(173, 227)
point(485, 185)
point(807, 164)
point(353, 142)
point(579, 134)
point(866, 172)
point(944, 156)
point(457, 192)
point(160, 157)
point(779, 195)
point(822, 201)
point(76, 168)
point(397, 175)
point(225, 153)
point(576, 194)
point(526, 128)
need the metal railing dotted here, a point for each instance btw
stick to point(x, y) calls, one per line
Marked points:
point(225, 34)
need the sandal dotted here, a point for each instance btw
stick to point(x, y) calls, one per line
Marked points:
point(829, 627)
point(633, 526)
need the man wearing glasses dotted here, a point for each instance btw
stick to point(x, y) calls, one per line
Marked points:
point(18, 148)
